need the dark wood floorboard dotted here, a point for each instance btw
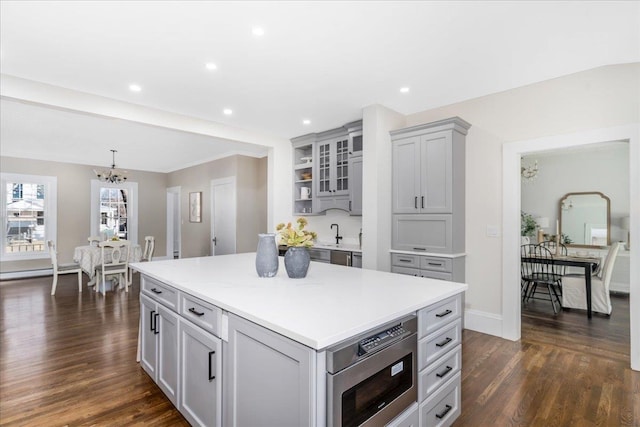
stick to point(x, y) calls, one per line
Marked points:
point(566, 370)
point(69, 360)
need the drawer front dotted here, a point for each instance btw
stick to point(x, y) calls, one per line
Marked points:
point(435, 316)
point(319, 254)
point(435, 345)
point(436, 275)
point(439, 372)
point(426, 233)
point(405, 270)
point(436, 264)
point(403, 260)
point(409, 418)
point(160, 292)
point(443, 407)
point(203, 314)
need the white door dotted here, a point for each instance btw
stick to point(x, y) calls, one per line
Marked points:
point(174, 222)
point(223, 216)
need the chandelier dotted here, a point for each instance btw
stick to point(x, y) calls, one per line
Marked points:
point(528, 172)
point(113, 175)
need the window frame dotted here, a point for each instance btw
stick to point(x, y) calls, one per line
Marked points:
point(132, 206)
point(50, 212)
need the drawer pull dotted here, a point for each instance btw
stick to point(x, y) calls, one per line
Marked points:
point(419, 249)
point(442, 414)
point(155, 291)
point(211, 376)
point(404, 260)
point(197, 313)
point(437, 264)
point(443, 343)
point(445, 372)
point(444, 313)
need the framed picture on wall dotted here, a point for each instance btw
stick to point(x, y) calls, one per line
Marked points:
point(195, 206)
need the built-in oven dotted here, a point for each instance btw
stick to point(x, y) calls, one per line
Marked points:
point(373, 378)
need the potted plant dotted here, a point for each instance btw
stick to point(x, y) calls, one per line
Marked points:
point(528, 226)
point(297, 239)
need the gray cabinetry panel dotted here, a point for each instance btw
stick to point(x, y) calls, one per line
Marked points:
point(268, 378)
point(406, 176)
point(148, 347)
point(355, 193)
point(201, 379)
point(427, 233)
point(436, 173)
point(167, 328)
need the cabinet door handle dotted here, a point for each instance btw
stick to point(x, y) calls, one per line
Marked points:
point(445, 372)
point(197, 313)
point(349, 205)
point(211, 376)
point(443, 343)
point(447, 408)
point(155, 291)
point(349, 263)
point(156, 331)
point(444, 313)
point(415, 202)
point(422, 202)
point(151, 321)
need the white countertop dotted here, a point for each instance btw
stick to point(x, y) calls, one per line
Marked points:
point(331, 304)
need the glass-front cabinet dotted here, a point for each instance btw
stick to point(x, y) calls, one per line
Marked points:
point(323, 171)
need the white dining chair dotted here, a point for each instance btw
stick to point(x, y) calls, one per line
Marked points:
point(94, 240)
point(114, 262)
point(574, 292)
point(147, 254)
point(68, 268)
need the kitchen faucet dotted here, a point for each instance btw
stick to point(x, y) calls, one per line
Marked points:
point(338, 236)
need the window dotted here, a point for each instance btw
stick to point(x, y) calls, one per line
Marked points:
point(114, 210)
point(28, 215)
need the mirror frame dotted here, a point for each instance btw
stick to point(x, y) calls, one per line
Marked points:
point(572, 245)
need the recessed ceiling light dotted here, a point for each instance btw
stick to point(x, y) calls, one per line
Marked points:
point(258, 31)
point(404, 89)
point(306, 122)
point(211, 66)
point(227, 111)
point(135, 88)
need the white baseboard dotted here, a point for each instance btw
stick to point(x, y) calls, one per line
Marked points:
point(24, 274)
point(619, 287)
point(480, 321)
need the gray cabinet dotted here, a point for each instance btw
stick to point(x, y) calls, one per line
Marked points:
point(433, 267)
point(439, 362)
point(159, 346)
point(269, 379)
point(428, 188)
point(324, 163)
point(201, 379)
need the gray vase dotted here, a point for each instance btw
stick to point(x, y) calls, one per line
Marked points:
point(296, 262)
point(267, 255)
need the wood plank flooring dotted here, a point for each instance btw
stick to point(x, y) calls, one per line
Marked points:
point(70, 360)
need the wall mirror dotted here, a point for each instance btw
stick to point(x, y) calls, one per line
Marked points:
point(585, 219)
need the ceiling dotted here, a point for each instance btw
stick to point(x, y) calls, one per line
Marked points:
point(320, 61)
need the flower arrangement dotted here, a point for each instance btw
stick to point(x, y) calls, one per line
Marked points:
point(296, 235)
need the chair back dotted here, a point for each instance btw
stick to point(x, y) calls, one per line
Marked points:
point(527, 269)
point(610, 254)
point(115, 255)
point(543, 270)
point(53, 254)
point(149, 245)
point(94, 240)
point(557, 249)
point(607, 270)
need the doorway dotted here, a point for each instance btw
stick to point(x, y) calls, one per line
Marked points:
point(511, 221)
point(174, 222)
point(223, 216)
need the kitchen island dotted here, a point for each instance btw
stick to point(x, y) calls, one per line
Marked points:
point(266, 339)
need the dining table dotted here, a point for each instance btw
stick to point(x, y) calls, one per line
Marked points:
point(90, 256)
point(588, 263)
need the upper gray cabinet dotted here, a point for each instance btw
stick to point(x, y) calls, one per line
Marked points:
point(428, 179)
point(324, 175)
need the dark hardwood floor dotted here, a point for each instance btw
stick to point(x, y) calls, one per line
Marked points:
point(70, 360)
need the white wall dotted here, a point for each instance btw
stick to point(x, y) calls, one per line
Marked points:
point(603, 168)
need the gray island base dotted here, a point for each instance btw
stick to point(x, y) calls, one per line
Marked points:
point(231, 349)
